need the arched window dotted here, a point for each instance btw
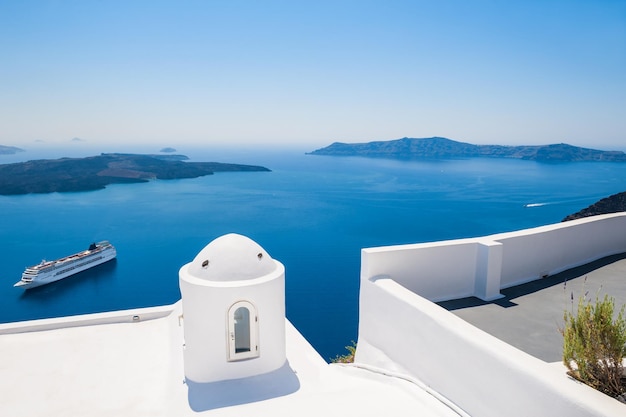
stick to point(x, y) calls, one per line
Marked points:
point(243, 323)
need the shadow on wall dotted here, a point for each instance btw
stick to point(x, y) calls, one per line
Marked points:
point(571, 275)
point(212, 395)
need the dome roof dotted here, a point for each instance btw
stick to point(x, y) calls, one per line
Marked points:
point(231, 257)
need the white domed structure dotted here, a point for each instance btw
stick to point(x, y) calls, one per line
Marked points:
point(233, 296)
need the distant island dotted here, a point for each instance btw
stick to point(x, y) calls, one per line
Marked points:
point(441, 148)
point(9, 150)
point(167, 150)
point(613, 204)
point(96, 172)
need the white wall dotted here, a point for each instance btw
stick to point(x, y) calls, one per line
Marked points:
point(112, 317)
point(205, 305)
point(481, 266)
point(437, 271)
point(531, 253)
point(403, 332)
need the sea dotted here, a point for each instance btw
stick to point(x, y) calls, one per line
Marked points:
point(312, 213)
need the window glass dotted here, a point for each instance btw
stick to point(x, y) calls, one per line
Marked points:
point(243, 324)
point(242, 330)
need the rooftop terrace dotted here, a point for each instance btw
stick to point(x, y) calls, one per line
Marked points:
point(530, 315)
point(413, 356)
point(107, 364)
point(504, 369)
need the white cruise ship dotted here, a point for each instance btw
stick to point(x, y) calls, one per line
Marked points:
point(50, 271)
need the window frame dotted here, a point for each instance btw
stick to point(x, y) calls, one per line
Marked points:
point(233, 330)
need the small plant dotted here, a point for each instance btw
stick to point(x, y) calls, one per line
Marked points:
point(348, 357)
point(594, 344)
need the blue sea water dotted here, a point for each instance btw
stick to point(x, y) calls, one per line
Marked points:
point(312, 213)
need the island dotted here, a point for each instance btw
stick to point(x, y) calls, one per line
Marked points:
point(612, 204)
point(443, 148)
point(96, 172)
point(9, 150)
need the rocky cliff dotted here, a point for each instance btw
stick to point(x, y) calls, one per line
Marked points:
point(613, 204)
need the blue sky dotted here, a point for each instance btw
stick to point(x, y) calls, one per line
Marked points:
point(310, 73)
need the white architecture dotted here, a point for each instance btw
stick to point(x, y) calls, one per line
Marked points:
point(233, 296)
point(401, 330)
point(226, 349)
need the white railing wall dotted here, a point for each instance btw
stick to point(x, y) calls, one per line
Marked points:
point(533, 253)
point(482, 266)
point(402, 332)
point(409, 336)
point(435, 271)
point(111, 317)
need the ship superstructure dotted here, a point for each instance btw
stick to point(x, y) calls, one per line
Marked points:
point(50, 271)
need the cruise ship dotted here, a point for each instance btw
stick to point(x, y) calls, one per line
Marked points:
point(50, 271)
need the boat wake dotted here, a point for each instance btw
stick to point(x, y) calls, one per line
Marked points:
point(536, 204)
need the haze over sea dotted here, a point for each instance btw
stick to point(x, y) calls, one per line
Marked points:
point(312, 213)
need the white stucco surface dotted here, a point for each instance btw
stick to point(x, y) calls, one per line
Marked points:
point(231, 257)
point(482, 375)
point(401, 330)
point(136, 369)
point(229, 270)
point(413, 357)
point(481, 266)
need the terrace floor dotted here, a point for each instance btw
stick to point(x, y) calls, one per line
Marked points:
point(106, 364)
point(529, 316)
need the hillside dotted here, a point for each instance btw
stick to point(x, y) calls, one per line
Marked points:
point(96, 172)
point(436, 147)
point(612, 204)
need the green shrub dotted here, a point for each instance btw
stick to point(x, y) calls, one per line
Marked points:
point(595, 344)
point(348, 357)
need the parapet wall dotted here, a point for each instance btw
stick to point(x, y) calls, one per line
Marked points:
point(533, 253)
point(482, 266)
point(402, 332)
point(112, 317)
point(407, 335)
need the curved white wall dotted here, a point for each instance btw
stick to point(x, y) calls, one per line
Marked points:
point(206, 303)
